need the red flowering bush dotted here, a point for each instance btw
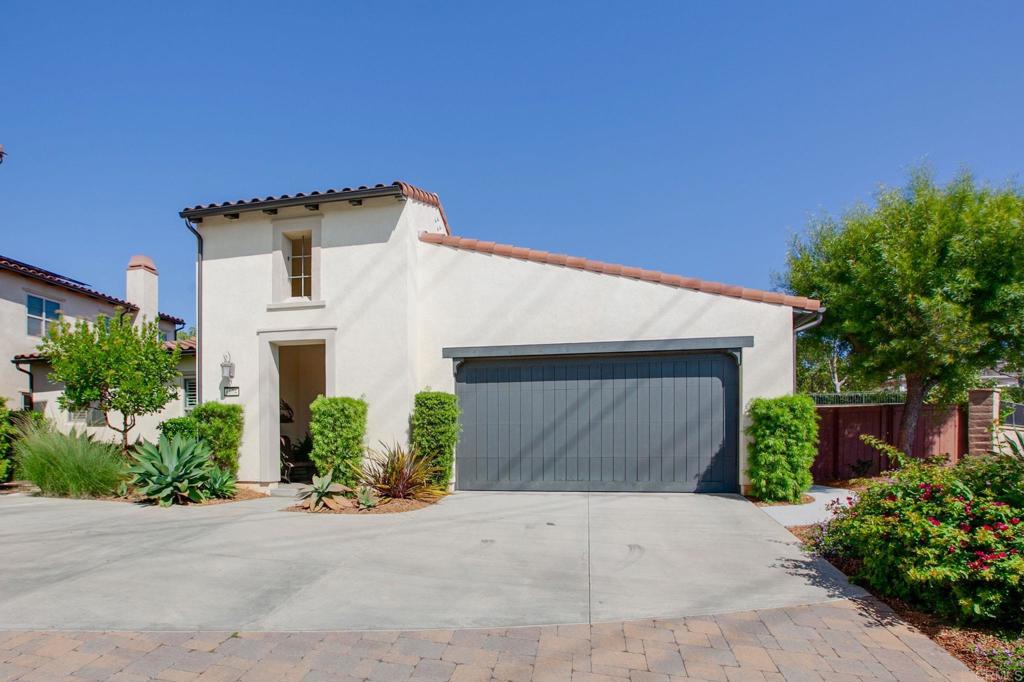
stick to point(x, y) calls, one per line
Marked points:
point(947, 539)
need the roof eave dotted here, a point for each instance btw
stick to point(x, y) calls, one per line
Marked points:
point(320, 198)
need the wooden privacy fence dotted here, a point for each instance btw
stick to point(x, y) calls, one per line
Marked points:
point(841, 454)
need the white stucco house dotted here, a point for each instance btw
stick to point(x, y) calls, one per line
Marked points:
point(32, 298)
point(572, 374)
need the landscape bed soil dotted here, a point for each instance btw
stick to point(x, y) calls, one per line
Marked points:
point(242, 495)
point(804, 499)
point(960, 641)
point(384, 507)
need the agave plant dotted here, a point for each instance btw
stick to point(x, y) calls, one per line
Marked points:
point(172, 471)
point(221, 483)
point(366, 498)
point(324, 493)
point(1012, 443)
point(400, 473)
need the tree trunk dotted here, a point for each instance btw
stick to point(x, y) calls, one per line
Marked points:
point(917, 390)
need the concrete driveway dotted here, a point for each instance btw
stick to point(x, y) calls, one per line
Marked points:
point(474, 560)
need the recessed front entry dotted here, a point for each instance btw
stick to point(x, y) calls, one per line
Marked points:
point(619, 423)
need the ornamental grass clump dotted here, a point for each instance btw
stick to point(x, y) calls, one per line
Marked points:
point(947, 539)
point(67, 465)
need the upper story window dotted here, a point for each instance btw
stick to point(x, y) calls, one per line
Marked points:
point(42, 312)
point(300, 265)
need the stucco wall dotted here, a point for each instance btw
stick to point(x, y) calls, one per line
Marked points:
point(475, 299)
point(14, 337)
point(388, 303)
point(366, 300)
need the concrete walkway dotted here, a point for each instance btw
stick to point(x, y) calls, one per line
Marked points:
point(812, 512)
point(474, 560)
point(840, 641)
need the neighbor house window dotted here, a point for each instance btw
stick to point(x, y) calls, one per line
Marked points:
point(91, 416)
point(42, 312)
point(188, 392)
point(300, 266)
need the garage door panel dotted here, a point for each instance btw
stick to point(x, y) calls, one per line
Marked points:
point(659, 423)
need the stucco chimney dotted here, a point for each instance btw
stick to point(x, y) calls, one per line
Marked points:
point(141, 282)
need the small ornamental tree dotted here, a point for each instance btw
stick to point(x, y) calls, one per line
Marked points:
point(927, 284)
point(114, 366)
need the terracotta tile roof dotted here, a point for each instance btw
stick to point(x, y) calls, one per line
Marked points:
point(396, 188)
point(74, 285)
point(577, 263)
point(187, 346)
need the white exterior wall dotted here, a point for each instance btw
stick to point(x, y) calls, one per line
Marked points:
point(365, 313)
point(388, 303)
point(476, 299)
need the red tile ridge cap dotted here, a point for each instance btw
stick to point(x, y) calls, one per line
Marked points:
point(579, 263)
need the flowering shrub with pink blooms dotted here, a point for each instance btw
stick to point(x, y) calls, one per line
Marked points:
point(949, 540)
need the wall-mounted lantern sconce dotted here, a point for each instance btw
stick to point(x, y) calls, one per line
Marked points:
point(227, 368)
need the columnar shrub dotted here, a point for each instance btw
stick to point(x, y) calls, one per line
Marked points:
point(338, 428)
point(946, 539)
point(783, 436)
point(434, 431)
point(220, 426)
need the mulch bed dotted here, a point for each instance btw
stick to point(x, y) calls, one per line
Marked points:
point(804, 499)
point(241, 495)
point(384, 507)
point(857, 485)
point(959, 640)
point(13, 487)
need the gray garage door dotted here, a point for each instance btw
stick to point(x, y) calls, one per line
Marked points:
point(620, 423)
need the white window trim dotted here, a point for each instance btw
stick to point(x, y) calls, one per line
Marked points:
point(184, 393)
point(284, 229)
point(42, 319)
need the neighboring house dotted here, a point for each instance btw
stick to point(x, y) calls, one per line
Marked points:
point(572, 374)
point(32, 298)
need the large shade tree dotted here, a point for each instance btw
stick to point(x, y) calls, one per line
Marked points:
point(928, 284)
point(123, 370)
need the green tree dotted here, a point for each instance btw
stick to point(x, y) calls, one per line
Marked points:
point(114, 366)
point(823, 365)
point(927, 284)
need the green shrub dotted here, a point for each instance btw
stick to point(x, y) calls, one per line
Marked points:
point(68, 465)
point(338, 428)
point(220, 425)
point(783, 436)
point(7, 435)
point(398, 473)
point(172, 471)
point(945, 539)
point(434, 430)
point(184, 427)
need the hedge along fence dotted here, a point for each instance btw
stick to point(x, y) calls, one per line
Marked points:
point(434, 430)
point(218, 424)
point(783, 436)
point(338, 428)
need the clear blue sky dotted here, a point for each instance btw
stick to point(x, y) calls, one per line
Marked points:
point(688, 137)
